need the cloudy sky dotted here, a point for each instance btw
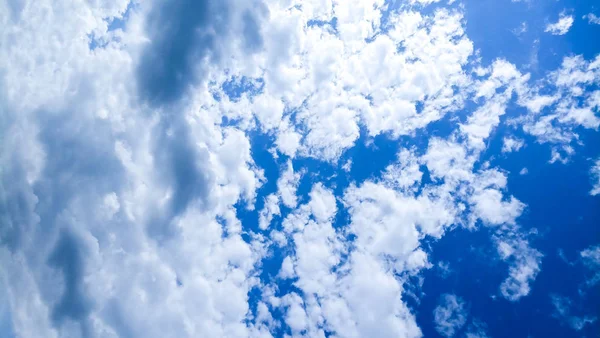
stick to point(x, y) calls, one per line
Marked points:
point(288, 168)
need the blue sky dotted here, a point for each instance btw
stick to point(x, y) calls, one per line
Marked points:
point(300, 168)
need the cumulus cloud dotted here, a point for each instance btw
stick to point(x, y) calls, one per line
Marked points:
point(349, 296)
point(450, 315)
point(108, 193)
point(562, 26)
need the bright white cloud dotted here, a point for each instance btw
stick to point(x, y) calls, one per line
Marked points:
point(572, 105)
point(562, 26)
point(405, 173)
point(511, 144)
point(352, 299)
point(271, 208)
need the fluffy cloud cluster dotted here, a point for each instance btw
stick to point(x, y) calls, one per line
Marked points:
point(118, 199)
point(126, 155)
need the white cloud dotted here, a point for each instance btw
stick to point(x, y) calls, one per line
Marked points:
point(591, 260)
point(521, 30)
point(405, 173)
point(491, 209)
point(477, 329)
point(287, 269)
point(271, 208)
point(349, 297)
point(347, 166)
point(287, 185)
point(562, 26)
point(561, 155)
point(595, 174)
point(571, 104)
point(592, 18)
point(450, 315)
point(444, 269)
point(524, 266)
point(125, 207)
point(511, 144)
point(109, 251)
point(562, 311)
point(333, 85)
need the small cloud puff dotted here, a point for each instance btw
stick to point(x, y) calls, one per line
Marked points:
point(591, 260)
point(562, 26)
point(595, 173)
point(511, 144)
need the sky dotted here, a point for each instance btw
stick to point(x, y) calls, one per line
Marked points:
point(287, 168)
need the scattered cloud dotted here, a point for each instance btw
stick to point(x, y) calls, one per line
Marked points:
point(522, 29)
point(562, 311)
point(131, 164)
point(524, 265)
point(562, 26)
point(450, 315)
point(591, 260)
point(595, 173)
point(511, 144)
point(477, 329)
point(592, 18)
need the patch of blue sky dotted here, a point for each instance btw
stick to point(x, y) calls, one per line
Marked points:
point(235, 87)
point(496, 29)
point(118, 22)
point(321, 23)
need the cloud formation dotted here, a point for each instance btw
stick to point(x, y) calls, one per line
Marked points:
point(137, 138)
